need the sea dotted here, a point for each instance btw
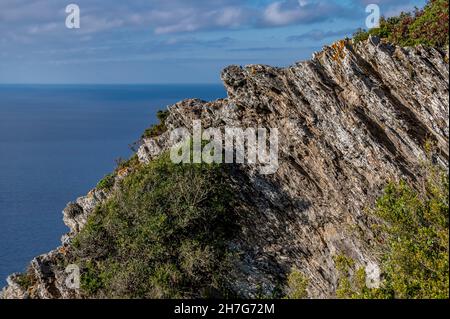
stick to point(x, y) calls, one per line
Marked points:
point(56, 143)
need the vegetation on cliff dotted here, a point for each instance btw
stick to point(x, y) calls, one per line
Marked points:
point(158, 128)
point(163, 234)
point(297, 285)
point(414, 237)
point(427, 26)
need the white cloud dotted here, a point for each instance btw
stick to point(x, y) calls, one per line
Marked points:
point(289, 12)
point(274, 14)
point(161, 17)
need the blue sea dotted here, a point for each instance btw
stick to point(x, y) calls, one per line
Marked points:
point(56, 143)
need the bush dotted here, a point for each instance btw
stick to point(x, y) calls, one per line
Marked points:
point(297, 285)
point(428, 27)
point(415, 238)
point(360, 35)
point(417, 250)
point(159, 128)
point(431, 25)
point(25, 280)
point(131, 163)
point(164, 233)
point(352, 282)
point(107, 182)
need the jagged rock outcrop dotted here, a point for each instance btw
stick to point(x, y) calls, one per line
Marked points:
point(349, 120)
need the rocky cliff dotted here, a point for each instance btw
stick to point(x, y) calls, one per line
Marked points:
point(351, 119)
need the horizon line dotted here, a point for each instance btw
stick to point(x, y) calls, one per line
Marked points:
point(111, 84)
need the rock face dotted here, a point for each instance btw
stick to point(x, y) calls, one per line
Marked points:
point(350, 120)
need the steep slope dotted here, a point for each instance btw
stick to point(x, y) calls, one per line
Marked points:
point(351, 119)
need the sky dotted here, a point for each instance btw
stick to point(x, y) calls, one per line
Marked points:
point(168, 41)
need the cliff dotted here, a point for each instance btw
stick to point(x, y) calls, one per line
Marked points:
point(351, 119)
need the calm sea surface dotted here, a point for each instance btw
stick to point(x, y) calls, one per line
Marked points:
point(56, 143)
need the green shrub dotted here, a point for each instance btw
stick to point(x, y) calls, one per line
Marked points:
point(131, 163)
point(352, 282)
point(360, 35)
point(417, 251)
point(159, 128)
point(428, 27)
point(297, 285)
point(25, 280)
point(164, 233)
point(107, 182)
point(415, 243)
point(90, 281)
point(345, 289)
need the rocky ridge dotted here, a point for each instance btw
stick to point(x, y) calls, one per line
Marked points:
point(350, 119)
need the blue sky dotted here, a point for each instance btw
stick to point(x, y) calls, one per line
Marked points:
point(168, 41)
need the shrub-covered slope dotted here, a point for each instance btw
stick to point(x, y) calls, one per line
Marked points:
point(427, 26)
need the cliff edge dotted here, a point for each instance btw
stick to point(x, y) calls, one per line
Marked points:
point(350, 120)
